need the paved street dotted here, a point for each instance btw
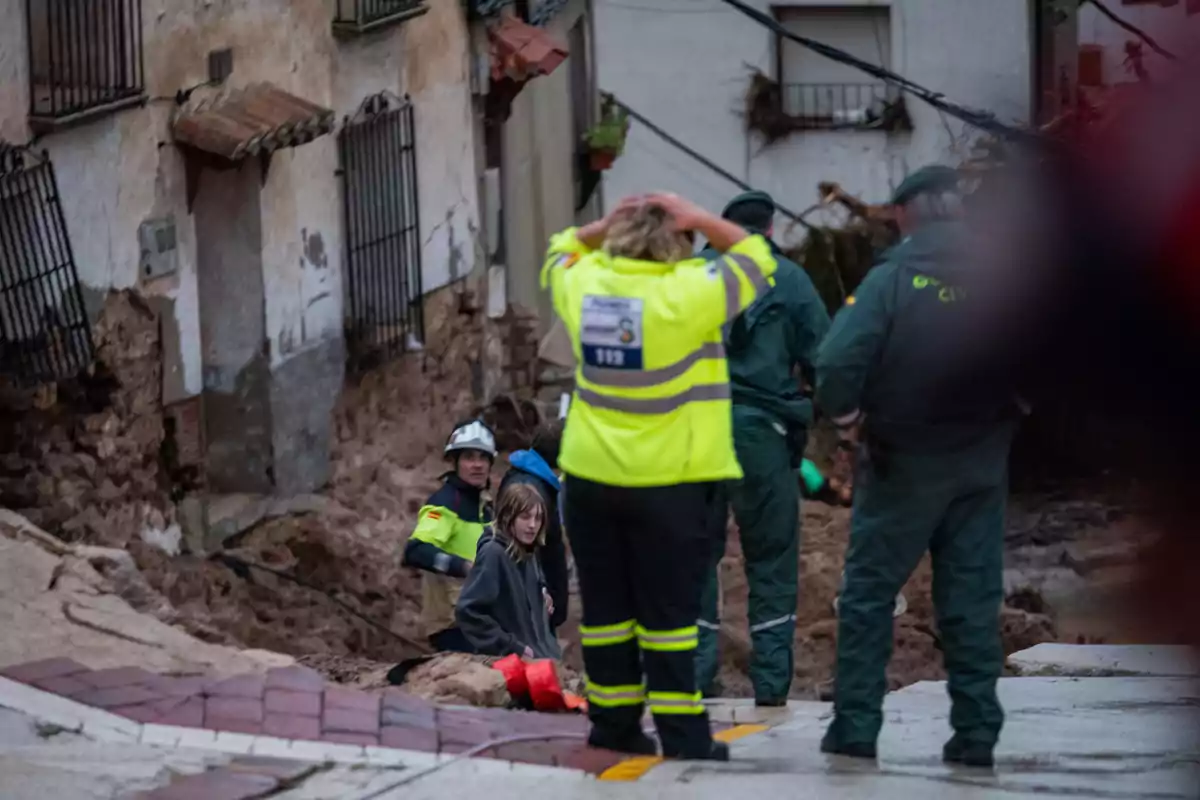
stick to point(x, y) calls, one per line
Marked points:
point(1114, 722)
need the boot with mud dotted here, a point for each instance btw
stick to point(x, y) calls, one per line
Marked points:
point(968, 753)
point(832, 745)
point(634, 743)
point(717, 751)
point(770, 702)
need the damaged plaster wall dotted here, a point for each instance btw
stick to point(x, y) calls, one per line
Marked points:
point(427, 58)
point(975, 51)
point(117, 171)
point(437, 60)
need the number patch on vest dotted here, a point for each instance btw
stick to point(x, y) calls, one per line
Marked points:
point(611, 332)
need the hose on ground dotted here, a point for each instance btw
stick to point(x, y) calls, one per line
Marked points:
point(240, 566)
point(478, 749)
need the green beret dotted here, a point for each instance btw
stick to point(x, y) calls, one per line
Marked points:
point(755, 196)
point(934, 179)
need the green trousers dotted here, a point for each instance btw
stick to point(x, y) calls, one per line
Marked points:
point(952, 506)
point(766, 505)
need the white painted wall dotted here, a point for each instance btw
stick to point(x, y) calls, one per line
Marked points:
point(117, 171)
point(539, 177)
point(1170, 26)
point(683, 64)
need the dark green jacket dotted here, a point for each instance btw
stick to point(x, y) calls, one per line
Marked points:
point(769, 340)
point(894, 351)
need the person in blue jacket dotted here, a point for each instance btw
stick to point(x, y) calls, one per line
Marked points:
point(536, 467)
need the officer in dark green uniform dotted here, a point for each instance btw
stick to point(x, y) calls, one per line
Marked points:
point(932, 473)
point(771, 348)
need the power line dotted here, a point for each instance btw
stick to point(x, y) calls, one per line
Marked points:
point(724, 173)
point(1136, 31)
point(980, 119)
point(653, 10)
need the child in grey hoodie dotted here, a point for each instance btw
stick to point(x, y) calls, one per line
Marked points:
point(504, 607)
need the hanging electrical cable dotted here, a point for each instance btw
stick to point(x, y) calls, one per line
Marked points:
point(983, 120)
point(727, 175)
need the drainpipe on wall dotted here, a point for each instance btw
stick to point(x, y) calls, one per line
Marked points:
point(589, 11)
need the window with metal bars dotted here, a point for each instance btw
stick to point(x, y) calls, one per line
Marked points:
point(44, 332)
point(356, 17)
point(85, 59)
point(382, 228)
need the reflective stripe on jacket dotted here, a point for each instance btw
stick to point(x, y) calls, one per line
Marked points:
point(453, 519)
point(652, 397)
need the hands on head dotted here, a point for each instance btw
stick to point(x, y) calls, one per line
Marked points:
point(683, 214)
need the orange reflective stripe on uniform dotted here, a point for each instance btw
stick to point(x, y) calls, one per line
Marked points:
point(655, 405)
point(629, 379)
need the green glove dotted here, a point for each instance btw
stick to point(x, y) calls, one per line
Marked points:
point(813, 486)
point(811, 479)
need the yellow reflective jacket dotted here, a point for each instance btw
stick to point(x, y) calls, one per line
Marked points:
point(452, 520)
point(652, 399)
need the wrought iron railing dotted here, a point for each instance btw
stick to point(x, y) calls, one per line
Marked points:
point(362, 16)
point(85, 57)
point(837, 105)
point(382, 222)
point(44, 332)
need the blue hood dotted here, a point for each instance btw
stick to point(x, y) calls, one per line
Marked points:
point(529, 461)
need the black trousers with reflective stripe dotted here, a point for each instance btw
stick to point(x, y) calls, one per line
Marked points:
point(642, 554)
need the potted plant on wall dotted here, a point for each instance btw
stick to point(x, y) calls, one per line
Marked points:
point(606, 140)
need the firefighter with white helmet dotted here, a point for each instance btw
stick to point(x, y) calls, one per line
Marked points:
point(448, 528)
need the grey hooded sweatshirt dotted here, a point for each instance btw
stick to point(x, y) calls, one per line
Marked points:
point(501, 609)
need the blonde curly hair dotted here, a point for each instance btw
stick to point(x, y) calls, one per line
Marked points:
point(645, 232)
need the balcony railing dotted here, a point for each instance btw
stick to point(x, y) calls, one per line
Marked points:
point(833, 106)
point(85, 58)
point(356, 17)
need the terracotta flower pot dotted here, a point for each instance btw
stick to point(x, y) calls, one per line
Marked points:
point(601, 159)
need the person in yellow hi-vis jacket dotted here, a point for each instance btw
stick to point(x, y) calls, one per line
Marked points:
point(648, 436)
point(449, 525)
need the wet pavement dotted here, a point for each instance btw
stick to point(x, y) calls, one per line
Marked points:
point(1085, 732)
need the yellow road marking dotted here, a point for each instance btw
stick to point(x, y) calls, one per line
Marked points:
point(633, 768)
point(738, 732)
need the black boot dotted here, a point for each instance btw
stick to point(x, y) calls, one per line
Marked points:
point(770, 702)
point(634, 742)
point(831, 744)
point(968, 753)
point(713, 751)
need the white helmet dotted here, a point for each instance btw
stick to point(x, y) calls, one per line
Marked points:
point(473, 435)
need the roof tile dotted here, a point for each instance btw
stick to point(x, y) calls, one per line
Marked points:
point(259, 118)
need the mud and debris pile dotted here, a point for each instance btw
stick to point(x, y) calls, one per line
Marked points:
point(81, 460)
point(916, 654)
point(59, 599)
point(88, 467)
point(390, 425)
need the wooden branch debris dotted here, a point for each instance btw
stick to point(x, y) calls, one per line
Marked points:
point(833, 193)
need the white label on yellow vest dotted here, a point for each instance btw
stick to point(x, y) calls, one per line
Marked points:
point(611, 332)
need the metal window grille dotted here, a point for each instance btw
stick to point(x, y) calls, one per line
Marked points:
point(361, 16)
point(44, 332)
point(382, 223)
point(836, 105)
point(85, 57)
